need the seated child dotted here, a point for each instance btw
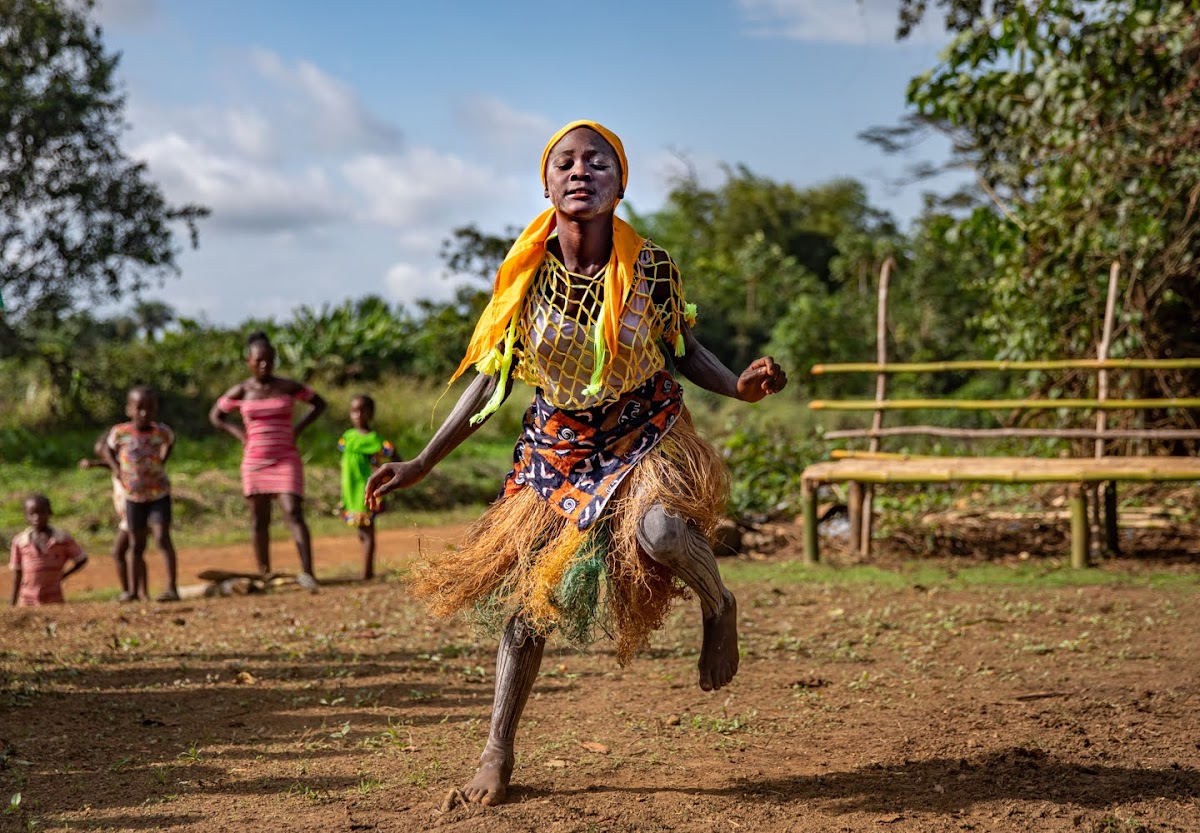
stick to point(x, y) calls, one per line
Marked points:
point(40, 556)
point(122, 541)
point(138, 451)
point(362, 452)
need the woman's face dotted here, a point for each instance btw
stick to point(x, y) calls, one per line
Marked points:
point(583, 175)
point(261, 361)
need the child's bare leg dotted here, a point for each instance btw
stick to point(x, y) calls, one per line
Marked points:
point(162, 537)
point(260, 518)
point(366, 535)
point(120, 545)
point(679, 546)
point(293, 514)
point(517, 663)
point(137, 563)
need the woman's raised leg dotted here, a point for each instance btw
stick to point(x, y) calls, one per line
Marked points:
point(683, 549)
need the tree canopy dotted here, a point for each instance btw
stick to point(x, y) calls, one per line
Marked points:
point(1083, 121)
point(79, 220)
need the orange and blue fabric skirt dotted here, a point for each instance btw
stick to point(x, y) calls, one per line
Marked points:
point(560, 544)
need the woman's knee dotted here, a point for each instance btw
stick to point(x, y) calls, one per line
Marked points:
point(662, 535)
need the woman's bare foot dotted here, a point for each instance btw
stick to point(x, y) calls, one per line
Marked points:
point(719, 652)
point(490, 784)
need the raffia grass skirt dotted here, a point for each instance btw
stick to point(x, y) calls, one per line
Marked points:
point(523, 556)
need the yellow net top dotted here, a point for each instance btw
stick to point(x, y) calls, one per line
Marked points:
point(556, 351)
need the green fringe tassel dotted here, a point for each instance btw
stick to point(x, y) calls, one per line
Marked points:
point(578, 595)
point(601, 354)
point(488, 365)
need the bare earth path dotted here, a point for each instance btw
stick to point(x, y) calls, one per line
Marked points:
point(335, 555)
point(857, 708)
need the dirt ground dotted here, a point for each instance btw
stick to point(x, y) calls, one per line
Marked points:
point(333, 557)
point(858, 708)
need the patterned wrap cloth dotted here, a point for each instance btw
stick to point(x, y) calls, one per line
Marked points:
point(575, 460)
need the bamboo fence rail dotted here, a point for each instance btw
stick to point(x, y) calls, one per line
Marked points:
point(988, 433)
point(1002, 404)
point(1005, 470)
point(1000, 364)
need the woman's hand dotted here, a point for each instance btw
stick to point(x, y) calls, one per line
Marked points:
point(762, 378)
point(390, 477)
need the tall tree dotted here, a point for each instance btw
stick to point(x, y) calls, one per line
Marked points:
point(1082, 120)
point(751, 247)
point(79, 220)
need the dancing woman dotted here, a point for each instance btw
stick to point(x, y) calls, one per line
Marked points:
point(611, 487)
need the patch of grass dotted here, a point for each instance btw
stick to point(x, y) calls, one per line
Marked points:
point(191, 754)
point(723, 724)
point(995, 575)
point(306, 791)
point(368, 783)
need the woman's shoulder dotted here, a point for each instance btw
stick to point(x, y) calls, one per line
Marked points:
point(238, 391)
point(653, 258)
point(284, 386)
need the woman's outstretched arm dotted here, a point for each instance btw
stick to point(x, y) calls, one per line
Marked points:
point(454, 430)
point(697, 364)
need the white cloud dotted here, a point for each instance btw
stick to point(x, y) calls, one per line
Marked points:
point(513, 135)
point(332, 112)
point(425, 188)
point(831, 21)
point(248, 132)
point(243, 195)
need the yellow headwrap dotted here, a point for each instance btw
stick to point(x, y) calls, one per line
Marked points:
point(491, 347)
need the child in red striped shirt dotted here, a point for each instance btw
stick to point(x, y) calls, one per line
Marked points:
point(40, 557)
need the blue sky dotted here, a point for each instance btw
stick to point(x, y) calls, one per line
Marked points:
point(339, 145)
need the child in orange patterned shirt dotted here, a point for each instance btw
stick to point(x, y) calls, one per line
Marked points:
point(138, 451)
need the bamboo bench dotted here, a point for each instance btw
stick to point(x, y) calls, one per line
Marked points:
point(865, 469)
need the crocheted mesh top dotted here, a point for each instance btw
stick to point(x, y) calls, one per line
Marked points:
point(556, 353)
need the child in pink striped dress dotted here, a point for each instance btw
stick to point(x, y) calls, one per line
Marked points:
point(42, 557)
point(271, 465)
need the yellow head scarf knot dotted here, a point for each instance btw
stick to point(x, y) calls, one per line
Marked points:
point(491, 347)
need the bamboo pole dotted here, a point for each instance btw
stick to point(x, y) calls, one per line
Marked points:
point(852, 454)
point(1077, 500)
point(998, 433)
point(1104, 498)
point(808, 498)
point(1000, 364)
point(868, 493)
point(1003, 404)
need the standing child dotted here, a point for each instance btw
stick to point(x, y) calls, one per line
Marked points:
point(39, 556)
point(362, 452)
point(138, 450)
point(122, 542)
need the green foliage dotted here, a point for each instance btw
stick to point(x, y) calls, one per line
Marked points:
point(752, 244)
point(765, 463)
point(1083, 123)
point(361, 339)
